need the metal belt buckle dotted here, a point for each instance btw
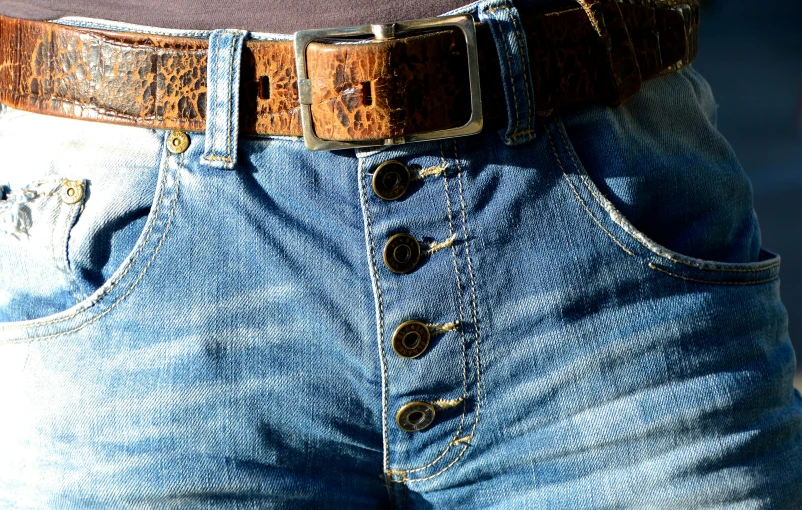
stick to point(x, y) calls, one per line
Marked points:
point(463, 22)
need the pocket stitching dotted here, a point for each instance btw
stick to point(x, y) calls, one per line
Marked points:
point(579, 197)
point(78, 292)
point(113, 284)
point(56, 242)
point(748, 282)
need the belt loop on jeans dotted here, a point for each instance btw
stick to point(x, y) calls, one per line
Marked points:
point(510, 39)
point(222, 97)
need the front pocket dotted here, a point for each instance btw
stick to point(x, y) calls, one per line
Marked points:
point(642, 248)
point(119, 169)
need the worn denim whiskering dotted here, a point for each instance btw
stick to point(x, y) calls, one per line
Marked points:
point(607, 330)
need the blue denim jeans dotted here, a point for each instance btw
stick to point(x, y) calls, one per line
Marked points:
point(214, 329)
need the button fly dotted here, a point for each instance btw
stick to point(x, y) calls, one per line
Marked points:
point(391, 180)
point(415, 416)
point(401, 253)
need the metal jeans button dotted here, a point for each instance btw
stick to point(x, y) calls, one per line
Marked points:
point(177, 142)
point(411, 339)
point(391, 180)
point(415, 416)
point(72, 192)
point(401, 253)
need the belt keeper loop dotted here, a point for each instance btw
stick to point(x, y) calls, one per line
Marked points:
point(223, 69)
point(517, 78)
point(622, 61)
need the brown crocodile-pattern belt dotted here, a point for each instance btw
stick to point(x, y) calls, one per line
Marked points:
point(596, 50)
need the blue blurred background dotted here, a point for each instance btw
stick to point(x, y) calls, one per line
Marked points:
point(751, 53)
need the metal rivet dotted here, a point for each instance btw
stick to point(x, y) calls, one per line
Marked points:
point(415, 416)
point(391, 180)
point(401, 253)
point(411, 339)
point(177, 142)
point(72, 192)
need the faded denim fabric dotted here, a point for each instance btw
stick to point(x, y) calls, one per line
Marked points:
point(608, 331)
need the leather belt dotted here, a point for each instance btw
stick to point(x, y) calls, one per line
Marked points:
point(379, 89)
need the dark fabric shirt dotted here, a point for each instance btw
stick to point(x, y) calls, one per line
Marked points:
point(276, 16)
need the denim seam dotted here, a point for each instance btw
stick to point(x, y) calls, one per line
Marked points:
point(474, 302)
point(601, 201)
point(65, 218)
point(233, 91)
point(698, 280)
point(75, 212)
point(377, 289)
point(112, 285)
point(579, 197)
point(54, 252)
point(694, 266)
point(72, 212)
point(474, 292)
point(403, 473)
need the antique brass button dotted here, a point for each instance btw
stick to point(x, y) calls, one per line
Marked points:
point(391, 180)
point(410, 339)
point(415, 416)
point(72, 192)
point(177, 142)
point(401, 253)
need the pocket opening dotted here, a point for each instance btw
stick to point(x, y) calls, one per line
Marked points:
point(125, 278)
point(634, 242)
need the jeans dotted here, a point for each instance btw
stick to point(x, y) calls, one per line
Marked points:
point(178, 331)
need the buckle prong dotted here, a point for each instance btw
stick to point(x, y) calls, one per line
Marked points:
point(382, 32)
